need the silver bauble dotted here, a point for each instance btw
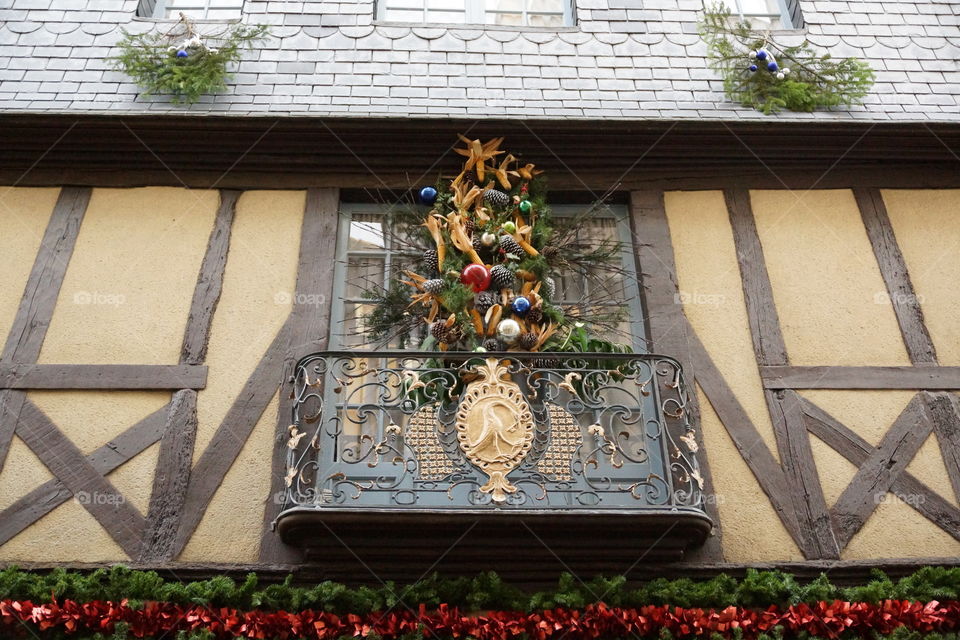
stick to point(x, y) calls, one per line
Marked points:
point(508, 330)
point(488, 239)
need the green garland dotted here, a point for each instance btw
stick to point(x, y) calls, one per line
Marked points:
point(800, 80)
point(180, 62)
point(484, 592)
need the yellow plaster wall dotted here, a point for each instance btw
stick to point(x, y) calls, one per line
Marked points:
point(927, 227)
point(833, 304)
point(712, 296)
point(24, 213)
point(126, 294)
point(258, 285)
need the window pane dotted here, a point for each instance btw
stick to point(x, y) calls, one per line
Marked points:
point(494, 6)
point(446, 17)
point(509, 19)
point(363, 272)
point(546, 21)
point(762, 22)
point(769, 7)
point(366, 232)
point(545, 6)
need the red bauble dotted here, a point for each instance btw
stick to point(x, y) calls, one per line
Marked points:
point(475, 276)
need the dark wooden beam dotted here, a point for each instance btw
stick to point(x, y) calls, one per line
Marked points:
point(793, 443)
point(857, 450)
point(171, 478)
point(944, 410)
point(666, 329)
point(172, 475)
point(92, 490)
point(861, 377)
point(102, 376)
point(230, 436)
point(309, 327)
point(879, 471)
point(893, 268)
point(745, 437)
point(206, 293)
point(51, 494)
point(39, 299)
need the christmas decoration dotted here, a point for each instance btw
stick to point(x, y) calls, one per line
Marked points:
point(802, 79)
point(837, 619)
point(483, 281)
point(508, 330)
point(508, 244)
point(433, 286)
point(428, 195)
point(502, 277)
point(430, 260)
point(496, 198)
point(180, 62)
point(476, 276)
point(520, 305)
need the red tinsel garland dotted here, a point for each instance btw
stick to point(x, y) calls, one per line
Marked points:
point(826, 619)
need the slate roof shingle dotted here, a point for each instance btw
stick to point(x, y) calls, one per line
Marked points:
point(626, 59)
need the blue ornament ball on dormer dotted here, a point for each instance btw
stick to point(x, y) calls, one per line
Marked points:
point(428, 195)
point(772, 67)
point(752, 67)
point(182, 53)
point(761, 55)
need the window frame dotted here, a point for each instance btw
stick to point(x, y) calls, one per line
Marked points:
point(785, 16)
point(159, 11)
point(620, 213)
point(474, 16)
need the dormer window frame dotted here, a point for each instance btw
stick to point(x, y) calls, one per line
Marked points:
point(475, 14)
point(788, 17)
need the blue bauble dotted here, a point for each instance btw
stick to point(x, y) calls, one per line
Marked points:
point(772, 66)
point(753, 67)
point(182, 53)
point(428, 195)
point(761, 55)
point(520, 305)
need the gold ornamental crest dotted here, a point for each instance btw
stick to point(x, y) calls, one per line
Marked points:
point(494, 426)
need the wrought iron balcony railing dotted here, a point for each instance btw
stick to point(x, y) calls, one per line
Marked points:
point(490, 434)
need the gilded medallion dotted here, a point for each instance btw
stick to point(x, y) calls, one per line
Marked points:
point(494, 427)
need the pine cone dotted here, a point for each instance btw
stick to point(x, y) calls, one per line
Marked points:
point(433, 287)
point(454, 334)
point(535, 315)
point(492, 344)
point(477, 245)
point(496, 198)
point(430, 260)
point(550, 253)
point(527, 341)
point(501, 277)
point(508, 244)
point(483, 301)
point(438, 330)
point(549, 287)
point(469, 225)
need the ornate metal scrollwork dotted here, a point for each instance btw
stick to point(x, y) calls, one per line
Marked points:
point(454, 430)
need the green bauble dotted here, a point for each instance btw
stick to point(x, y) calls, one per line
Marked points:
point(525, 206)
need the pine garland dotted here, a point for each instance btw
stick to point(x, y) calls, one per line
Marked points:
point(180, 62)
point(487, 591)
point(762, 74)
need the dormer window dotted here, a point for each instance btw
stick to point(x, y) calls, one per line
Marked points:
point(517, 13)
point(765, 14)
point(193, 9)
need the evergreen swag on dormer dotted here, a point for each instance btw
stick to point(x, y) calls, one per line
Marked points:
point(181, 62)
point(759, 72)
